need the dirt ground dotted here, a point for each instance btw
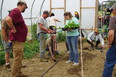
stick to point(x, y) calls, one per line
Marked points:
point(93, 65)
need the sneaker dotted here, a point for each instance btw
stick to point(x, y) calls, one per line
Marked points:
point(8, 67)
point(69, 61)
point(75, 64)
point(98, 48)
point(22, 75)
point(23, 66)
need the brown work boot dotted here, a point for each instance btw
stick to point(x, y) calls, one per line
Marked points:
point(43, 60)
point(22, 75)
point(8, 67)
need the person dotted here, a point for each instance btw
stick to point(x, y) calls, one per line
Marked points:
point(111, 53)
point(52, 26)
point(53, 21)
point(6, 43)
point(18, 36)
point(95, 36)
point(49, 46)
point(72, 39)
point(42, 31)
point(77, 15)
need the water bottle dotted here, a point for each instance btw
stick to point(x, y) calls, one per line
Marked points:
point(10, 44)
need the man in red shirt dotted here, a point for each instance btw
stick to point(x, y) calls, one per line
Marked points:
point(18, 36)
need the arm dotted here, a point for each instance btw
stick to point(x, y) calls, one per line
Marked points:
point(41, 27)
point(89, 36)
point(4, 35)
point(57, 20)
point(101, 40)
point(10, 24)
point(110, 37)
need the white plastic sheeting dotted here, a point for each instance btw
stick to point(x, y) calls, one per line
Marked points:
point(88, 15)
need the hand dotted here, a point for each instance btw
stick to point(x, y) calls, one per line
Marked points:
point(13, 31)
point(48, 32)
point(109, 45)
point(69, 30)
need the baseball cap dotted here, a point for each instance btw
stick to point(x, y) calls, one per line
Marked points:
point(76, 12)
point(96, 30)
point(113, 6)
point(23, 1)
point(46, 12)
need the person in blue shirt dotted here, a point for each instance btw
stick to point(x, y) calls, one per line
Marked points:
point(72, 39)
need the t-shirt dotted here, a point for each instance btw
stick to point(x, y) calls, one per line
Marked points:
point(45, 24)
point(73, 32)
point(6, 27)
point(48, 42)
point(52, 21)
point(112, 26)
point(20, 26)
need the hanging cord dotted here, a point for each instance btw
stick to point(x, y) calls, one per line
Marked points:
point(53, 64)
point(81, 53)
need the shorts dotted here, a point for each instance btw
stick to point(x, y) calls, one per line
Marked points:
point(7, 48)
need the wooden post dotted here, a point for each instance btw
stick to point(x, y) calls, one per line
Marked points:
point(96, 14)
point(50, 6)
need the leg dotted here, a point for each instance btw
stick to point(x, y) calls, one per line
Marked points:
point(68, 40)
point(108, 69)
point(18, 48)
point(97, 43)
point(42, 39)
point(7, 57)
point(74, 40)
point(92, 45)
point(54, 42)
point(67, 46)
point(110, 62)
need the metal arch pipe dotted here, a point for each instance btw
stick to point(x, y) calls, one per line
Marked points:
point(41, 7)
point(39, 14)
point(1, 8)
point(31, 11)
point(1, 15)
point(31, 16)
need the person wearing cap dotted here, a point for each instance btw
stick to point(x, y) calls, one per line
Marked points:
point(111, 53)
point(18, 36)
point(95, 36)
point(77, 15)
point(42, 30)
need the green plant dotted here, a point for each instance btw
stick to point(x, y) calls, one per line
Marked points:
point(71, 25)
point(61, 37)
point(2, 58)
point(31, 48)
point(34, 31)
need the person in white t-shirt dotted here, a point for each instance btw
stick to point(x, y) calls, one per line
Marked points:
point(96, 37)
point(52, 26)
point(53, 21)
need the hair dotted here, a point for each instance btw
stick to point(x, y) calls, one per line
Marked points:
point(46, 12)
point(20, 3)
point(52, 14)
point(68, 13)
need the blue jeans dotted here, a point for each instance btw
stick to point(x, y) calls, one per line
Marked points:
point(72, 44)
point(110, 61)
point(42, 46)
